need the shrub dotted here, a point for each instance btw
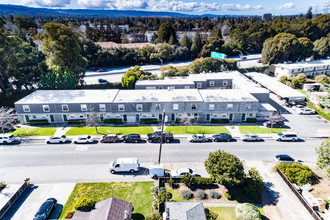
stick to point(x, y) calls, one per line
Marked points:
point(228, 196)
point(69, 215)
point(202, 181)
point(253, 184)
point(219, 120)
point(186, 194)
point(116, 121)
point(148, 121)
point(298, 173)
point(84, 204)
point(163, 197)
point(154, 190)
point(247, 211)
point(201, 194)
point(76, 121)
point(187, 179)
point(251, 120)
point(214, 195)
point(39, 122)
point(154, 216)
point(210, 215)
point(170, 183)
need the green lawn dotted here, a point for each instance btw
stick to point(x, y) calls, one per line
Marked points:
point(229, 213)
point(246, 129)
point(176, 195)
point(30, 131)
point(136, 192)
point(197, 129)
point(109, 130)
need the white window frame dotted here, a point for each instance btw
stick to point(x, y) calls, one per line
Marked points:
point(186, 87)
point(230, 107)
point(211, 107)
point(150, 87)
point(102, 107)
point(121, 108)
point(171, 87)
point(26, 108)
point(248, 107)
point(211, 83)
point(44, 108)
point(158, 106)
point(193, 106)
point(225, 83)
point(251, 114)
point(139, 107)
point(34, 116)
point(67, 108)
point(199, 85)
point(83, 107)
point(176, 107)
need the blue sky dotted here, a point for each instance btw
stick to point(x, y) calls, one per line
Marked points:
point(230, 7)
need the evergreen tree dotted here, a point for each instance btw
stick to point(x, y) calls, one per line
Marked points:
point(197, 45)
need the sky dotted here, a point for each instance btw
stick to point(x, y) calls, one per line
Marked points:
point(223, 7)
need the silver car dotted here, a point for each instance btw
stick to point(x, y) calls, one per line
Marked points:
point(250, 137)
point(56, 139)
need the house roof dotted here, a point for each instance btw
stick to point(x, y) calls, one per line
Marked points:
point(160, 95)
point(226, 95)
point(69, 96)
point(166, 81)
point(186, 210)
point(304, 64)
point(111, 44)
point(109, 209)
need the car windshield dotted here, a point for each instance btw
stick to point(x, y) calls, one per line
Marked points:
point(280, 134)
point(42, 209)
point(191, 171)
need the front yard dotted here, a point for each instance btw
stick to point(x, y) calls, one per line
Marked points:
point(34, 131)
point(109, 130)
point(197, 129)
point(137, 193)
point(247, 129)
point(228, 213)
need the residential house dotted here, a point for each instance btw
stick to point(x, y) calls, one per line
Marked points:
point(184, 211)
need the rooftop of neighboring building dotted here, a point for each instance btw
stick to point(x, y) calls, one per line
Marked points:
point(166, 81)
point(186, 210)
point(111, 44)
point(304, 64)
point(225, 95)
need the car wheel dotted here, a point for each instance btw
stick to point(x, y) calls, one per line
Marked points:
point(203, 141)
point(48, 142)
point(102, 141)
point(191, 141)
point(150, 141)
point(124, 141)
point(113, 172)
point(167, 140)
point(61, 142)
point(132, 171)
point(75, 142)
point(5, 142)
point(228, 140)
point(215, 140)
point(136, 141)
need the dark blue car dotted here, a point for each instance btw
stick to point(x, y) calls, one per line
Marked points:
point(46, 209)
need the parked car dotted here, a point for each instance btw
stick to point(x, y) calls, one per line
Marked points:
point(198, 138)
point(102, 80)
point(124, 165)
point(109, 138)
point(56, 139)
point(284, 158)
point(276, 124)
point(295, 102)
point(7, 138)
point(222, 137)
point(181, 172)
point(131, 138)
point(155, 137)
point(7, 128)
point(287, 136)
point(250, 137)
point(84, 139)
point(295, 107)
point(258, 61)
point(46, 209)
point(305, 111)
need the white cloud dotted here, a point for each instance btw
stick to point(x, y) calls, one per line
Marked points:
point(286, 6)
point(238, 7)
point(47, 3)
point(114, 4)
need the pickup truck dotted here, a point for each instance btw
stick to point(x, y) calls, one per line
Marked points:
point(155, 137)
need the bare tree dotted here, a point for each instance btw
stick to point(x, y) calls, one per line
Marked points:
point(273, 117)
point(92, 119)
point(6, 116)
point(186, 119)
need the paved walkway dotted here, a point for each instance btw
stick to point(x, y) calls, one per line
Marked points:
point(234, 130)
point(61, 131)
point(7, 193)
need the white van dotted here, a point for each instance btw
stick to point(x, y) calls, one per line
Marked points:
point(6, 138)
point(286, 136)
point(124, 165)
point(156, 170)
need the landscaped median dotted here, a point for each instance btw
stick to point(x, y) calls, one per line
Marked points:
point(197, 129)
point(255, 129)
point(138, 193)
point(34, 131)
point(109, 130)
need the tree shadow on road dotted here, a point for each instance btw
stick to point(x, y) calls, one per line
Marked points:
point(272, 197)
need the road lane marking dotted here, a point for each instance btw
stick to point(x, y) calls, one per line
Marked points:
point(139, 151)
point(81, 148)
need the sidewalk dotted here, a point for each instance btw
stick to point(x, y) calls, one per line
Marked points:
point(8, 192)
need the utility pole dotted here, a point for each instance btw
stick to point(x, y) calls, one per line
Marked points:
point(161, 136)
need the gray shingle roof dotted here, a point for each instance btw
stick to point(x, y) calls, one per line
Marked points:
point(186, 210)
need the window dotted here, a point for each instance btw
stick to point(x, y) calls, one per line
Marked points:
point(26, 108)
point(193, 106)
point(251, 114)
point(211, 107)
point(248, 107)
point(157, 106)
point(160, 87)
point(225, 83)
point(121, 108)
point(230, 107)
point(65, 108)
point(224, 115)
point(102, 107)
point(199, 85)
point(139, 107)
point(171, 87)
point(151, 87)
point(34, 116)
point(211, 83)
point(175, 106)
point(83, 107)
point(186, 87)
point(45, 108)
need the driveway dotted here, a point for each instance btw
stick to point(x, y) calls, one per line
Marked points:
point(29, 203)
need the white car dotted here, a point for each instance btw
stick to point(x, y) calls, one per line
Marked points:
point(181, 172)
point(198, 138)
point(305, 111)
point(56, 139)
point(284, 158)
point(7, 138)
point(250, 137)
point(295, 107)
point(85, 139)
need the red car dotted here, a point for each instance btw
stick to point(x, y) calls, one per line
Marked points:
point(258, 61)
point(109, 138)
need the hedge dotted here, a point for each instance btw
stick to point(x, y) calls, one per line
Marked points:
point(319, 112)
point(39, 122)
point(76, 121)
point(219, 120)
point(148, 121)
point(298, 173)
point(116, 121)
point(202, 180)
point(84, 204)
point(251, 120)
point(178, 120)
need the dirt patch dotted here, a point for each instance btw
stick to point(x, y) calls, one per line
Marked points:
point(322, 189)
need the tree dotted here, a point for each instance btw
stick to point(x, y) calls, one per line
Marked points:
point(186, 42)
point(197, 45)
point(298, 80)
point(273, 117)
point(131, 76)
point(165, 32)
point(225, 168)
point(92, 119)
point(305, 49)
point(212, 44)
point(57, 78)
point(6, 116)
point(322, 48)
point(186, 119)
point(60, 44)
point(247, 211)
point(24, 23)
point(218, 34)
point(322, 79)
point(144, 53)
point(309, 14)
point(323, 159)
point(254, 184)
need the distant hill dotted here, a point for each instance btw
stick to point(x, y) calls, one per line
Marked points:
point(15, 10)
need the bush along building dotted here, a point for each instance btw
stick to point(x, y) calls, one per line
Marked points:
point(242, 101)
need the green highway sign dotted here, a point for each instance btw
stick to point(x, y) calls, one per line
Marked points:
point(217, 55)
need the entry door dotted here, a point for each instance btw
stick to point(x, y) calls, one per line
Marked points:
point(243, 117)
point(65, 118)
point(207, 117)
point(230, 117)
point(27, 119)
point(51, 118)
point(172, 117)
point(125, 118)
point(137, 118)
